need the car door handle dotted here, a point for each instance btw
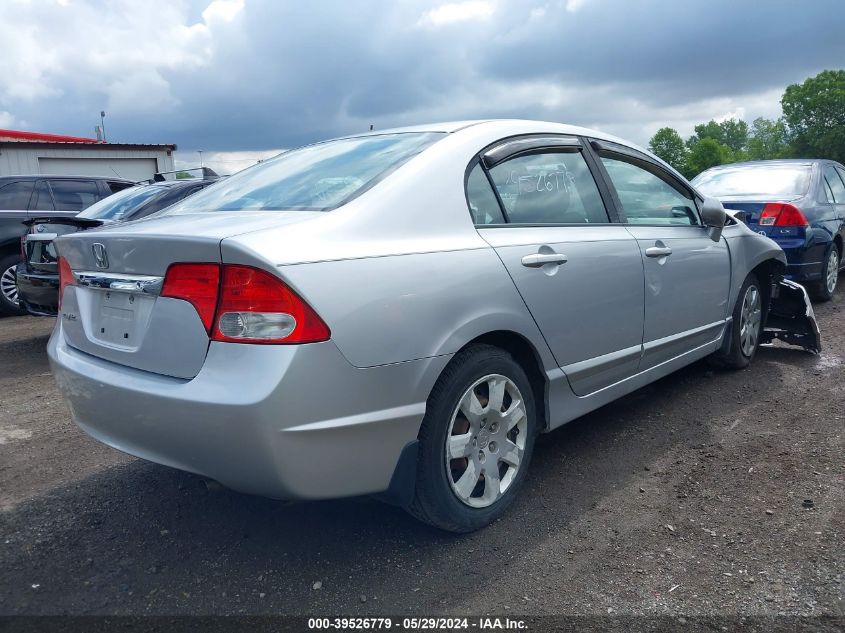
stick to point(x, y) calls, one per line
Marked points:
point(658, 251)
point(540, 259)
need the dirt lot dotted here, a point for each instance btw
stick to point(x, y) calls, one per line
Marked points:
point(686, 497)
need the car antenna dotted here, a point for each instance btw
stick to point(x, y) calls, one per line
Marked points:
point(371, 127)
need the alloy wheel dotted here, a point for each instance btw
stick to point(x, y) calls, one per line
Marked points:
point(7, 285)
point(749, 327)
point(832, 270)
point(486, 441)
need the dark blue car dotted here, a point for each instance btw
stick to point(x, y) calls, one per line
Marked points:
point(800, 204)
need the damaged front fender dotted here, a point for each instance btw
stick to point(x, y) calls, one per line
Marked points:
point(791, 318)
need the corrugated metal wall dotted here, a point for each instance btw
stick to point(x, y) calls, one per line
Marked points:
point(15, 161)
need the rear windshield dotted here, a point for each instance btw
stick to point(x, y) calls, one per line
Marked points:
point(318, 177)
point(120, 204)
point(749, 180)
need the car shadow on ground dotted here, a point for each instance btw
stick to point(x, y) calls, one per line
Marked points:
point(140, 538)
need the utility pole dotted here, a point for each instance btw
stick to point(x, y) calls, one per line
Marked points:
point(103, 124)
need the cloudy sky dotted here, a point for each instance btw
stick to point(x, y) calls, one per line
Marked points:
point(240, 78)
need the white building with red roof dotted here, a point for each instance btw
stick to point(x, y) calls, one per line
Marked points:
point(26, 153)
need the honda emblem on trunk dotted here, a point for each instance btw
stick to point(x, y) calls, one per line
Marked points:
point(100, 256)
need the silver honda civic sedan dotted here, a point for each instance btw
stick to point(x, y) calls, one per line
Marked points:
point(401, 313)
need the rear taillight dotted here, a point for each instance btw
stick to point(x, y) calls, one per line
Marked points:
point(241, 304)
point(782, 214)
point(65, 277)
point(198, 284)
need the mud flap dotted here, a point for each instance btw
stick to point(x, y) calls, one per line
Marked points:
point(791, 318)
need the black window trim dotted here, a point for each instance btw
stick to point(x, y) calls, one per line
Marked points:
point(607, 149)
point(566, 146)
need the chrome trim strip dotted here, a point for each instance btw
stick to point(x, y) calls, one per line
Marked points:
point(147, 284)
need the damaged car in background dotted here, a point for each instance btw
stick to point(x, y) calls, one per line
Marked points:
point(37, 276)
point(401, 313)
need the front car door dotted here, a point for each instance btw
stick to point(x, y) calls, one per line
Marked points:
point(687, 275)
point(536, 202)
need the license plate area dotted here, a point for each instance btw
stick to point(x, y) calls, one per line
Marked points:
point(120, 318)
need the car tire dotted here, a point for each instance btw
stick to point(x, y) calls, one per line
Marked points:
point(8, 291)
point(746, 327)
point(823, 290)
point(489, 447)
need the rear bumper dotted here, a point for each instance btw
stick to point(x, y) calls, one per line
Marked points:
point(801, 265)
point(38, 292)
point(288, 422)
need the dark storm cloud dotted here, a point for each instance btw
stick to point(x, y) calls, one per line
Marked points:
point(278, 74)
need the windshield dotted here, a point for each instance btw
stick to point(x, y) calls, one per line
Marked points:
point(318, 177)
point(784, 180)
point(122, 203)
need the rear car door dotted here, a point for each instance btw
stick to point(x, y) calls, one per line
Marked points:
point(74, 195)
point(536, 202)
point(687, 275)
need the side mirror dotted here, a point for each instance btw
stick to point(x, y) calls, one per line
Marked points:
point(713, 215)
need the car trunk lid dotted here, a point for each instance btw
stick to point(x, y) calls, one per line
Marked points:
point(113, 310)
point(749, 211)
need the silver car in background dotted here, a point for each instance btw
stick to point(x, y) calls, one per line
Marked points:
point(401, 313)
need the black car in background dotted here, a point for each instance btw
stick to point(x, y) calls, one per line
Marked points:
point(25, 197)
point(38, 275)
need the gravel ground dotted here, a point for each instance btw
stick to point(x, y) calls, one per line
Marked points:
point(685, 498)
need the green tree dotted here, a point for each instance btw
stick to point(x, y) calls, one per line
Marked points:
point(768, 139)
point(732, 133)
point(704, 154)
point(815, 113)
point(668, 145)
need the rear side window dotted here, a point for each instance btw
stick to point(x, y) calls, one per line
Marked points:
point(549, 188)
point(42, 200)
point(318, 177)
point(15, 195)
point(74, 195)
point(835, 184)
point(648, 199)
point(483, 205)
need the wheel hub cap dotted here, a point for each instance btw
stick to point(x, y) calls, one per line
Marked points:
point(750, 319)
point(832, 270)
point(7, 285)
point(486, 441)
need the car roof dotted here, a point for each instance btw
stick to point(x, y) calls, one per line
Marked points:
point(503, 125)
point(774, 161)
point(64, 177)
point(177, 183)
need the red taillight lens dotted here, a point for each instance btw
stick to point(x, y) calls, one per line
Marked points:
point(241, 304)
point(65, 277)
point(197, 284)
point(257, 307)
point(782, 214)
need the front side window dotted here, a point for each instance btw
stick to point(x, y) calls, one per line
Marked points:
point(318, 177)
point(647, 198)
point(835, 184)
point(15, 195)
point(74, 195)
point(550, 188)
